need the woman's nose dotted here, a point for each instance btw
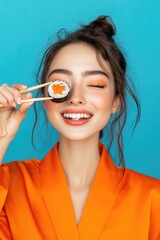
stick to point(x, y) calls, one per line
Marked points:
point(77, 96)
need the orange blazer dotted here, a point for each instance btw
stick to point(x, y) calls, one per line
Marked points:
point(35, 203)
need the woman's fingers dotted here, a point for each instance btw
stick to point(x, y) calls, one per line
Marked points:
point(24, 106)
point(3, 101)
point(11, 117)
point(26, 96)
point(9, 96)
point(19, 86)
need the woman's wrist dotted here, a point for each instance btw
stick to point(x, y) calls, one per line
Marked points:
point(5, 140)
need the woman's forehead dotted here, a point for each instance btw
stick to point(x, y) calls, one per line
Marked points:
point(79, 56)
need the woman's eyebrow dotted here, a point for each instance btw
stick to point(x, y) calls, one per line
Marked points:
point(59, 70)
point(96, 72)
point(86, 73)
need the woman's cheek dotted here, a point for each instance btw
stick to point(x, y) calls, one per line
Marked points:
point(102, 100)
point(50, 106)
point(51, 111)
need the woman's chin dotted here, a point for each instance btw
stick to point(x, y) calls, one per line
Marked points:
point(79, 136)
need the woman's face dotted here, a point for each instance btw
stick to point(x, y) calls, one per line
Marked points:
point(91, 102)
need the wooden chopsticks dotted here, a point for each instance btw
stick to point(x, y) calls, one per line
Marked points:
point(35, 87)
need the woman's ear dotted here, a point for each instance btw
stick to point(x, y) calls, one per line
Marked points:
point(116, 105)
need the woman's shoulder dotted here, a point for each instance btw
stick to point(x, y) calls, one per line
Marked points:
point(138, 180)
point(24, 166)
point(30, 166)
point(14, 173)
point(32, 162)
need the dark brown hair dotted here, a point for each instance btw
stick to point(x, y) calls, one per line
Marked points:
point(100, 35)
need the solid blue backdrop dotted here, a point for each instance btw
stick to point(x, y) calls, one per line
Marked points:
point(28, 27)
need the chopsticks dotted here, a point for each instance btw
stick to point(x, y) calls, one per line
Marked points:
point(36, 99)
point(31, 89)
point(35, 87)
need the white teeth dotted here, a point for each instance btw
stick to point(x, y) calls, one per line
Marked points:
point(76, 116)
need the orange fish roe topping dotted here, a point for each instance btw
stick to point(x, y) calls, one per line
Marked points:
point(58, 88)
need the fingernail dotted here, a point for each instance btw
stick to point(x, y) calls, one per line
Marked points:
point(28, 94)
point(19, 100)
point(14, 104)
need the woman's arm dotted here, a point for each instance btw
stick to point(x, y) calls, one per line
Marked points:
point(10, 120)
point(154, 233)
point(3, 148)
point(10, 117)
point(5, 232)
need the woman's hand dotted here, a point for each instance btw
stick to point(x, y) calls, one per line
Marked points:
point(11, 118)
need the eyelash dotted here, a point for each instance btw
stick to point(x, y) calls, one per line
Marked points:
point(97, 86)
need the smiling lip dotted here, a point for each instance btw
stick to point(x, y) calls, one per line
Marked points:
point(76, 117)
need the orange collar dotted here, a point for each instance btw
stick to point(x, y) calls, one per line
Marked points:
point(99, 203)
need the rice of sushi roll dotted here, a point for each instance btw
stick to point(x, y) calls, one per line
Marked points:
point(59, 90)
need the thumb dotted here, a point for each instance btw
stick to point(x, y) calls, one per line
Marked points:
point(22, 111)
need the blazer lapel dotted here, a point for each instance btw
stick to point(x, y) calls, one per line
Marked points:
point(101, 198)
point(99, 204)
point(57, 198)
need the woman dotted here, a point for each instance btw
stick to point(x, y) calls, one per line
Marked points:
point(76, 191)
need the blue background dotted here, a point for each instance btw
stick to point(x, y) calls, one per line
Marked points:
point(27, 28)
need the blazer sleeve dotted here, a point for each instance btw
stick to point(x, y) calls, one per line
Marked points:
point(5, 233)
point(154, 233)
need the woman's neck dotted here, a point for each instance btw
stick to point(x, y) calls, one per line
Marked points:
point(79, 160)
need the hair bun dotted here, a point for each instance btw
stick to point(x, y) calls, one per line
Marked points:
point(103, 25)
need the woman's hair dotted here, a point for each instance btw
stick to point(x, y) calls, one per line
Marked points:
point(100, 35)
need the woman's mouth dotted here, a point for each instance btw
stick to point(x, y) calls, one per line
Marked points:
point(78, 118)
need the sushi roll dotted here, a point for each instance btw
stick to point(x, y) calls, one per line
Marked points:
point(59, 90)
